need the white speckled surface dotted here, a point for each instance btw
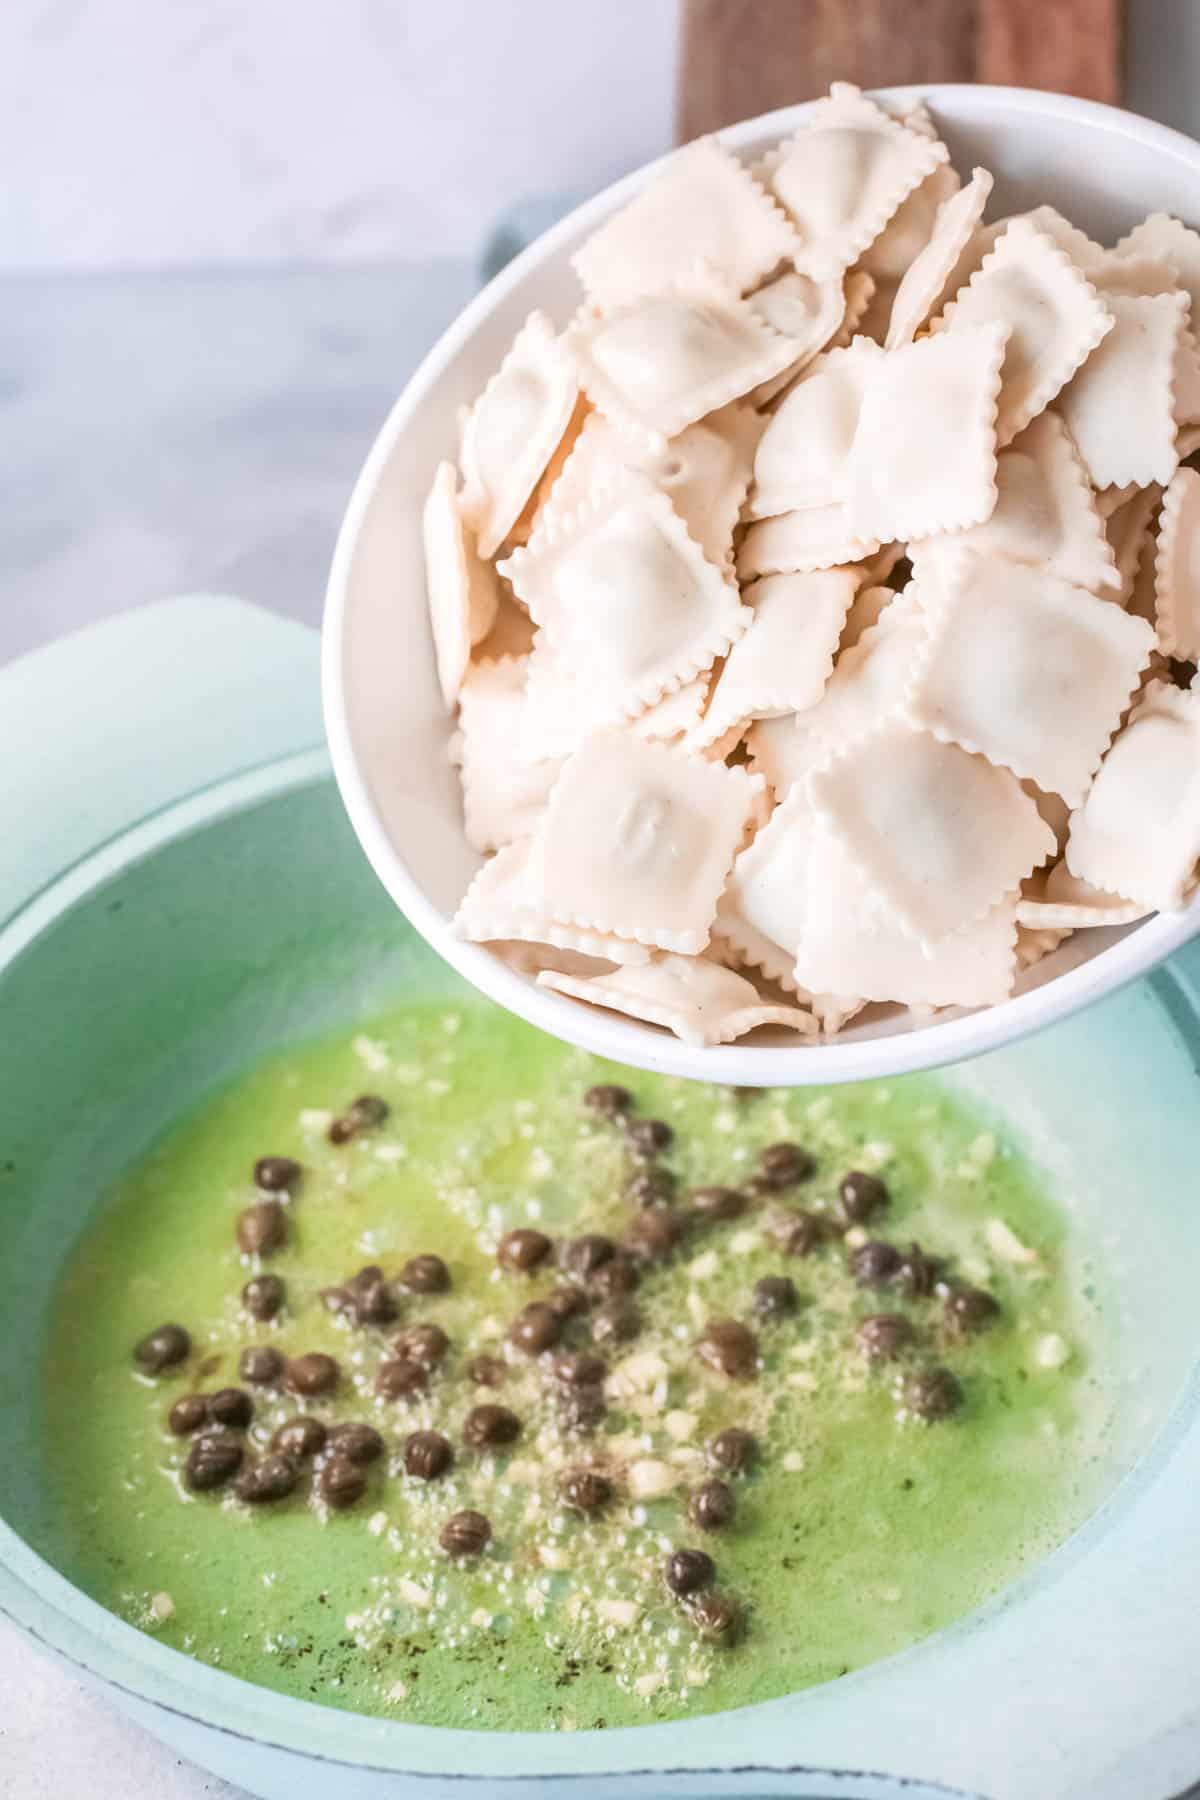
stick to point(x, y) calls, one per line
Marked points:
point(138, 135)
point(160, 433)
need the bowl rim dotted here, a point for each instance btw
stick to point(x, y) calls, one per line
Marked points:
point(163, 1684)
point(610, 1034)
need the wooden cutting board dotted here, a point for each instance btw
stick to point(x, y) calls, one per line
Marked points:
point(741, 57)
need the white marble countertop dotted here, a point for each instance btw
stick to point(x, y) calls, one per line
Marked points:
point(160, 433)
point(163, 433)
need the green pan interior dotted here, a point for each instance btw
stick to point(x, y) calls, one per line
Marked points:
point(256, 931)
point(258, 924)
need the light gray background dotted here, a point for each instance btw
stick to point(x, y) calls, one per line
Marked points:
point(227, 233)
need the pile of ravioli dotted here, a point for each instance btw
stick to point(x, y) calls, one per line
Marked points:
point(818, 607)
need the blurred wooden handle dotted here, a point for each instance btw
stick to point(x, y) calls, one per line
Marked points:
point(741, 57)
point(1073, 47)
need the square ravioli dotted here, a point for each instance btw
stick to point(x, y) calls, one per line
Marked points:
point(1177, 568)
point(870, 679)
point(513, 429)
point(782, 753)
point(662, 362)
point(843, 174)
point(912, 225)
point(804, 311)
point(503, 794)
point(626, 599)
point(1128, 529)
point(502, 905)
point(464, 593)
point(803, 456)
point(1138, 832)
point(1120, 407)
point(938, 835)
point(925, 275)
point(1054, 314)
point(703, 208)
point(762, 911)
point(853, 944)
point(638, 839)
point(1164, 239)
point(1045, 513)
point(704, 472)
point(784, 658)
point(701, 1002)
point(1061, 902)
point(819, 537)
point(1028, 671)
point(924, 453)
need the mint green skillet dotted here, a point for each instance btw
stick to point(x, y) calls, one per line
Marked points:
point(179, 894)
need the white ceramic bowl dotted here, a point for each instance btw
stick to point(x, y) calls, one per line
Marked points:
point(387, 728)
